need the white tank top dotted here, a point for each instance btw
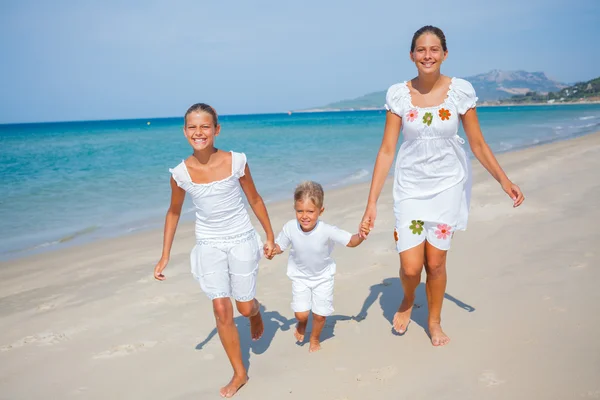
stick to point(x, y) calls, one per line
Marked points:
point(219, 206)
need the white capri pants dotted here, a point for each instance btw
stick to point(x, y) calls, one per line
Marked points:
point(227, 266)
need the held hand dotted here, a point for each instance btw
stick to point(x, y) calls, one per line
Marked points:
point(365, 229)
point(158, 275)
point(368, 222)
point(514, 192)
point(269, 249)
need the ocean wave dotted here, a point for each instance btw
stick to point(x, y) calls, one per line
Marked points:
point(76, 234)
point(355, 176)
point(589, 125)
point(587, 117)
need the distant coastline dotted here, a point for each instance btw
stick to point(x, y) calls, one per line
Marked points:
point(482, 105)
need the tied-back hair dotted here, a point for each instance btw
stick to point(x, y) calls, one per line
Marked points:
point(203, 107)
point(429, 29)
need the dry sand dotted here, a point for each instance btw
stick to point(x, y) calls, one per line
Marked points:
point(89, 322)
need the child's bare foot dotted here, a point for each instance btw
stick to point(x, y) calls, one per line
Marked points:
point(256, 326)
point(299, 332)
point(438, 337)
point(402, 317)
point(233, 386)
point(315, 345)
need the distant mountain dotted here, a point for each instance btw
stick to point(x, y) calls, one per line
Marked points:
point(498, 84)
point(582, 91)
point(490, 87)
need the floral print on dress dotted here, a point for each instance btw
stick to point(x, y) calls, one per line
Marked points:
point(444, 114)
point(427, 118)
point(416, 226)
point(443, 231)
point(411, 115)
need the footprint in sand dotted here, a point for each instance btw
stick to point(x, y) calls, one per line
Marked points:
point(591, 394)
point(45, 338)
point(558, 309)
point(385, 373)
point(579, 266)
point(489, 378)
point(154, 300)
point(125, 350)
point(381, 375)
point(382, 250)
point(45, 307)
point(173, 299)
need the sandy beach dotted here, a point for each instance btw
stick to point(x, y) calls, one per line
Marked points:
point(90, 322)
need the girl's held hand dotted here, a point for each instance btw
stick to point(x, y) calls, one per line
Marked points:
point(158, 275)
point(269, 249)
point(514, 192)
point(365, 229)
point(368, 222)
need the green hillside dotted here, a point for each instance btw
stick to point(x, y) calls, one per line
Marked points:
point(581, 91)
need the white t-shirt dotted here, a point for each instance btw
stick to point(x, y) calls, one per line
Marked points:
point(310, 252)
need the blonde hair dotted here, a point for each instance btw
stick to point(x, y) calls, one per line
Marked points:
point(310, 190)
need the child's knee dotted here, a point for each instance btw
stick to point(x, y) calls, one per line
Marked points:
point(302, 316)
point(319, 318)
point(247, 308)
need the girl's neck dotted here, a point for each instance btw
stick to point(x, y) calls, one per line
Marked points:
point(427, 82)
point(204, 156)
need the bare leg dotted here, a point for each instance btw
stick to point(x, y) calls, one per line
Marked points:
point(315, 335)
point(230, 339)
point(435, 266)
point(411, 265)
point(302, 318)
point(251, 310)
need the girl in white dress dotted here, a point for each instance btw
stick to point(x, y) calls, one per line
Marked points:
point(432, 178)
point(225, 258)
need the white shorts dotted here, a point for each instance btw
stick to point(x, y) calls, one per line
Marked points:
point(227, 266)
point(313, 296)
point(415, 232)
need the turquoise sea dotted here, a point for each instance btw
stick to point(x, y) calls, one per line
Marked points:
point(67, 183)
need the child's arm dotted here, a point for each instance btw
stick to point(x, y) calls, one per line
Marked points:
point(258, 207)
point(360, 237)
point(355, 240)
point(343, 237)
point(281, 243)
point(171, 221)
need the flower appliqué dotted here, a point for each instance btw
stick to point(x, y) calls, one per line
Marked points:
point(444, 114)
point(412, 115)
point(443, 231)
point(417, 225)
point(427, 118)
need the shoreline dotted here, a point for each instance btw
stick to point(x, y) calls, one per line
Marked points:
point(483, 105)
point(79, 318)
point(77, 239)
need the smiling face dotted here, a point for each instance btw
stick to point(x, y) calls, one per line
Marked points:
point(200, 130)
point(428, 53)
point(307, 214)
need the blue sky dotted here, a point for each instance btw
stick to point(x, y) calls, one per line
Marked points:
point(79, 60)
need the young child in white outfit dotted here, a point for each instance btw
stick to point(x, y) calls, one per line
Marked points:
point(310, 266)
point(228, 249)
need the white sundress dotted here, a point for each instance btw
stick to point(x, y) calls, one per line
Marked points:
point(432, 178)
